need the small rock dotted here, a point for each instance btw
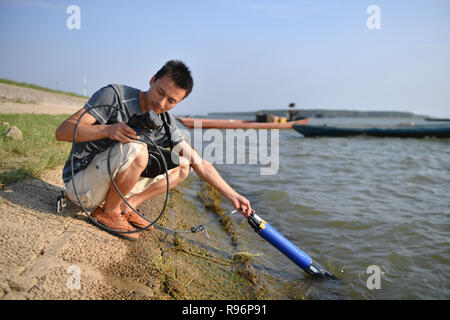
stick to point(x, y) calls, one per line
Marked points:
point(14, 133)
point(5, 287)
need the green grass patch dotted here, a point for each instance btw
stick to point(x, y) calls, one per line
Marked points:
point(34, 86)
point(37, 152)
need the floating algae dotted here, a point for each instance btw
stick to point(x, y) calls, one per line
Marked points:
point(243, 260)
point(213, 201)
point(244, 257)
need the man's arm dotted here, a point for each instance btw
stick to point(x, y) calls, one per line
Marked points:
point(208, 173)
point(89, 131)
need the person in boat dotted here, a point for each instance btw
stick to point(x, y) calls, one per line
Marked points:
point(293, 113)
point(129, 158)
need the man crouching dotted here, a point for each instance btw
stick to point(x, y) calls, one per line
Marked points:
point(128, 159)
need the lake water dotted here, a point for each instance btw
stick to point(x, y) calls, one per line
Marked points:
point(352, 204)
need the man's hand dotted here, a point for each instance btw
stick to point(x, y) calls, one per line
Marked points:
point(88, 130)
point(241, 203)
point(121, 132)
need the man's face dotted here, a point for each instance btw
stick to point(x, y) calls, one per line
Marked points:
point(163, 95)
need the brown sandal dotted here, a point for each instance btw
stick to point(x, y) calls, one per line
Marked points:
point(136, 220)
point(116, 227)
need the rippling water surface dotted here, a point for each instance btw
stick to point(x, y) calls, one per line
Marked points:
point(351, 203)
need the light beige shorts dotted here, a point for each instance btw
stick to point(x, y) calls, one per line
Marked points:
point(93, 183)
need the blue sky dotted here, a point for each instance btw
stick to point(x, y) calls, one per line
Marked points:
point(244, 54)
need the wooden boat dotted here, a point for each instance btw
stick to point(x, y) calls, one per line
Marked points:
point(437, 119)
point(414, 131)
point(238, 124)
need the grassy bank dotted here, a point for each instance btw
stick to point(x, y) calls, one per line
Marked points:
point(34, 86)
point(37, 152)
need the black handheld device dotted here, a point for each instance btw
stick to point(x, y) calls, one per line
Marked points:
point(148, 121)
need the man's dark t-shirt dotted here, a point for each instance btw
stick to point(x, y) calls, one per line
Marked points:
point(127, 99)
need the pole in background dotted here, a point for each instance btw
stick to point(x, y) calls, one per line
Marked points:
point(84, 85)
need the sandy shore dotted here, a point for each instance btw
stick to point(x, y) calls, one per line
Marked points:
point(41, 250)
point(36, 101)
point(50, 255)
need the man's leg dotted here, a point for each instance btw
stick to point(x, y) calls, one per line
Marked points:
point(94, 186)
point(176, 176)
point(111, 213)
point(125, 181)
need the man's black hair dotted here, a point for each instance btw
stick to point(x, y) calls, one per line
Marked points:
point(179, 73)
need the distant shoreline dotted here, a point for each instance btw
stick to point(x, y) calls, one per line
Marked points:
point(323, 113)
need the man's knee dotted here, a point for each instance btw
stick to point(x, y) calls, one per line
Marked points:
point(140, 152)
